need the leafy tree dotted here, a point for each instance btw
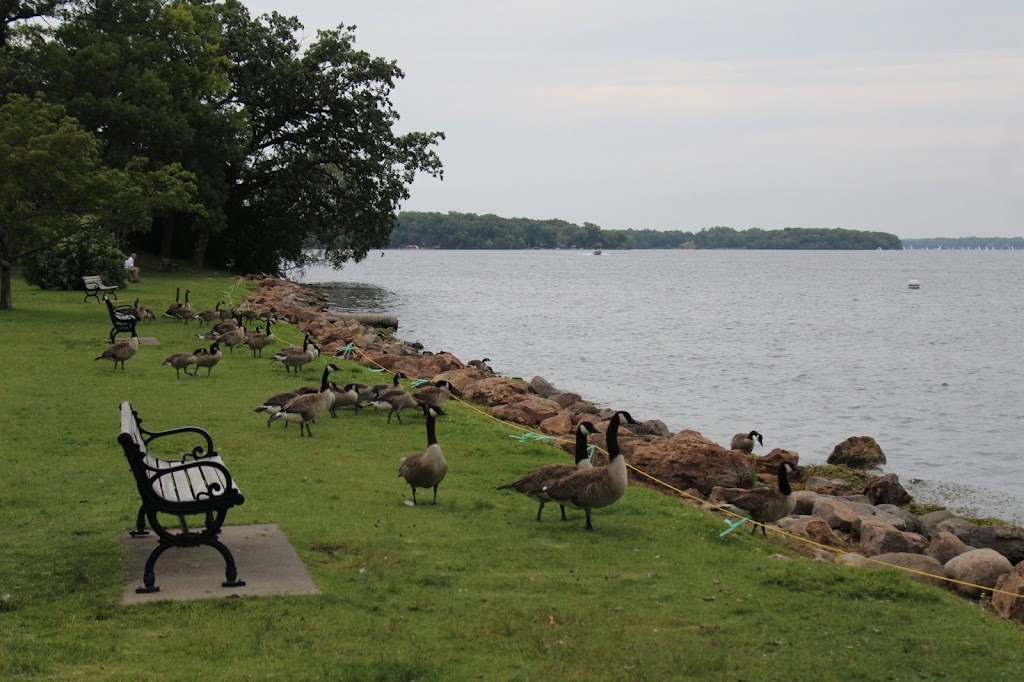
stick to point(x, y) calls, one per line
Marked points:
point(61, 266)
point(322, 159)
point(53, 185)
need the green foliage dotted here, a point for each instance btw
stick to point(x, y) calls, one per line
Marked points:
point(471, 588)
point(855, 479)
point(471, 231)
point(63, 265)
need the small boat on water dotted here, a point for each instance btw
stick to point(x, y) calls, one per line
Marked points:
point(914, 284)
point(597, 249)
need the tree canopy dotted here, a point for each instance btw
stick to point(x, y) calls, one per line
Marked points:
point(53, 184)
point(287, 140)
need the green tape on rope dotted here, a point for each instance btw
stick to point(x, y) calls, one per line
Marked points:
point(732, 526)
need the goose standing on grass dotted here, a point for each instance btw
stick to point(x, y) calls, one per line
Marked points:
point(210, 358)
point(121, 350)
point(181, 361)
point(227, 324)
point(306, 408)
point(395, 399)
point(377, 389)
point(210, 315)
point(345, 397)
point(763, 505)
point(233, 337)
point(532, 484)
point(295, 357)
point(435, 395)
point(589, 489)
point(172, 309)
point(428, 468)
point(745, 441)
point(274, 403)
point(143, 313)
point(260, 341)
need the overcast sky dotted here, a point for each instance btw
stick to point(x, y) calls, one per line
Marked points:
point(900, 116)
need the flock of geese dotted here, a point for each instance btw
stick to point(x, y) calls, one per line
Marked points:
point(579, 486)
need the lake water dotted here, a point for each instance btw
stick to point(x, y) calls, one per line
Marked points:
point(806, 347)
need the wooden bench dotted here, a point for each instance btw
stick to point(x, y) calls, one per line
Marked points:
point(94, 286)
point(168, 265)
point(193, 483)
point(123, 317)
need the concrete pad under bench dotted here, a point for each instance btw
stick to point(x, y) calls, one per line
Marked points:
point(266, 562)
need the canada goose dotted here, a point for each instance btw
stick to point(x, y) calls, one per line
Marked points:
point(763, 505)
point(532, 483)
point(210, 358)
point(260, 341)
point(121, 350)
point(180, 361)
point(233, 337)
point(435, 395)
point(143, 313)
point(395, 399)
point(365, 391)
point(226, 313)
point(294, 357)
point(173, 308)
point(745, 441)
point(425, 469)
point(588, 489)
point(274, 403)
point(479, 364)
point(345, 397)
point(210, 315)
point(182, 311)
point(306, 408)
point(377, 389)
point(227, 324)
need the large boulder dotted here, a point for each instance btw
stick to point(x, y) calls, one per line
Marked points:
point(461, 379)
point(566, 400)
point(930, 520)
point(877, 537)
point(770, 462)
point(689, 460)
point(857, 452)
point(1007, 540)
point(981, 567)
point(496, 391)
point(886, 490)
point(923, 568)
point(1004, 602)
point(805, 500)
point(837, 514)
point(816, 530)
point(530, 412)
point(944, 546)
point(559, 425)
point(541, 387)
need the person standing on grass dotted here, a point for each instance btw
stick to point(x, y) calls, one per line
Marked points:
point(129, 265)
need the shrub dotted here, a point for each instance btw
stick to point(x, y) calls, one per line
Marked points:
point(63, 265)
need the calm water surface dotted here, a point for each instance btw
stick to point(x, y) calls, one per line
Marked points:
point(807, 347)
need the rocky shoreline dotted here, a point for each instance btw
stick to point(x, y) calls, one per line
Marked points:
point(868, 526)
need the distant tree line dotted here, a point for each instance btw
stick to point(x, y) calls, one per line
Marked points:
point(965, 243)
point(471, 231)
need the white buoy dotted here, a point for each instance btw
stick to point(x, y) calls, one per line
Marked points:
point(914, 284)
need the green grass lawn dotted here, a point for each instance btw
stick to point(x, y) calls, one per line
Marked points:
point(470, 589)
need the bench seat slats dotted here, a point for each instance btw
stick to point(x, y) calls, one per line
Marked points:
point(190, 485)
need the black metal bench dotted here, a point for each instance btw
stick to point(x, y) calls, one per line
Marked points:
point(94, 286)
point(123, 317)
point(194, 483)
point(168, 265)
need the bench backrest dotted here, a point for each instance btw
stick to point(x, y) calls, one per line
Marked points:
point(92, 281)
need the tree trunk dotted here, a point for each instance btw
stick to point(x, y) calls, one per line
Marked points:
point(167, 236)
point(199, 249)
point(5, 285)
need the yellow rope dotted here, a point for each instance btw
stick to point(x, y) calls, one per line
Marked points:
point(724, 510)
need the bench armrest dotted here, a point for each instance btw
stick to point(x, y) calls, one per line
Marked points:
point(197, 451)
